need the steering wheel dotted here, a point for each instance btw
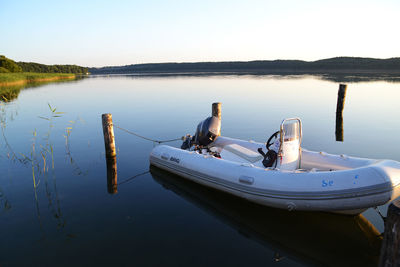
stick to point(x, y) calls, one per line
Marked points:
point(273, 137)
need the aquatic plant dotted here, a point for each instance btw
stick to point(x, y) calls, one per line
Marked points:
point(4, 203)
point(4, 115)
point(68, 130)
point(41, 162)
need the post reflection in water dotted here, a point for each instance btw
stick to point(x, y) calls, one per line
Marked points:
point(112, 186)
point(309, 237)
point(339, 127)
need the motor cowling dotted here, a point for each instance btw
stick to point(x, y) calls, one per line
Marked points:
point(207, 131)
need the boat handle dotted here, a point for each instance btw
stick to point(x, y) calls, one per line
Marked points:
point(246, 179)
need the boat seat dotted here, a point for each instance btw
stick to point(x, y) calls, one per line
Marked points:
point(244, 152)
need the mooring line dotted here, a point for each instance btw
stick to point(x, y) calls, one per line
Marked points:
point(146, 138)
point(133, 177)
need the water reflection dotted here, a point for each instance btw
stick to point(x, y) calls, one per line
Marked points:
point(9, 93)
point(355, 78)
point(54, 201)
point(157, 227)
point(339, 127)
point(313, 238)
point(332, 77)
point(8, 114)
point(41, 162)
point(4, 203)
point(112, 187)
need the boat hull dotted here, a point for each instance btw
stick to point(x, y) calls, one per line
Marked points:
point(346, 191)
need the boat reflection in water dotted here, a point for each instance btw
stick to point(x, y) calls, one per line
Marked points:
point(309, 237)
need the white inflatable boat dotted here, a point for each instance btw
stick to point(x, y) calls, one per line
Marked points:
point(286, 176)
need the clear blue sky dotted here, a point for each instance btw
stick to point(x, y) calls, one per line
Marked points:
point(103, 33)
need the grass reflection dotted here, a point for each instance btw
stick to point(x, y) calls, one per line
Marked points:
point(4, 203)
point(9, 93)
point(40, 159)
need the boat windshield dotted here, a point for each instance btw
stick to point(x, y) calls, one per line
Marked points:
point(291, 130)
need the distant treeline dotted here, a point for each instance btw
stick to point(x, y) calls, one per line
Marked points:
point(41, 68)
point(8, 65)
point(331, 65)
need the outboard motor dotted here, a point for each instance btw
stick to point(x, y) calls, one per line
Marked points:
point(206, 133)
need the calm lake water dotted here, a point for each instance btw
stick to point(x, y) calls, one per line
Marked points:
point(56, 209)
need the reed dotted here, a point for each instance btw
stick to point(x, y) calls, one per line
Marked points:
point(7, 79)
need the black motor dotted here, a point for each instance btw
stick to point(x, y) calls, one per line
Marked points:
point(206, 133)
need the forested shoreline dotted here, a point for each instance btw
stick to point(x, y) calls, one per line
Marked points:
point(10, 66)
point(331, 65)
point(20, 73)
point(324, 66)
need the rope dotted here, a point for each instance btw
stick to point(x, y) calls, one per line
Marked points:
point(133, 177)
point(146, 138)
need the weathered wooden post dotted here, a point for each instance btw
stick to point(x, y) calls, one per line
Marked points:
point(216, 110)
point(111, 159)
point(339, 112)
point(390, 250)
point(108, 131)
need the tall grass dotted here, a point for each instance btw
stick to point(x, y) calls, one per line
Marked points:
point(28, 77)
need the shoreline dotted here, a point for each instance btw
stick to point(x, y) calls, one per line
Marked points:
point(27, 78)
point(372, 72)
point(254, 72)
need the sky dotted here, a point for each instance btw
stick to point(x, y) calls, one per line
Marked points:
point(111, 33)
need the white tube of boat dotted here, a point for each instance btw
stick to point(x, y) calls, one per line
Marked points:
point(324, 182)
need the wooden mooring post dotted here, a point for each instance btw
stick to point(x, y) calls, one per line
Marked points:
point(390, 250)
point(108, 131)
point(216, 110)
point(339, 112)
point(111, 159)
